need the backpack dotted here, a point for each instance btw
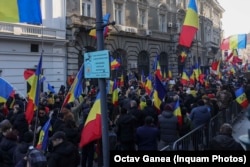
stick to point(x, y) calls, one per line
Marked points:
point(36, 158)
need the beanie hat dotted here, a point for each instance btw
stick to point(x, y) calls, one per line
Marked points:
point(28, 137)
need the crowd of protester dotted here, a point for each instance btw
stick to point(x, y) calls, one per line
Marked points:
point(132, 126)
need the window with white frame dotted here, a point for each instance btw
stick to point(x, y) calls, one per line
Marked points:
point(162, 17)
point(118, 13)
point(142, 18)
point(87, 6)
point(162, 20)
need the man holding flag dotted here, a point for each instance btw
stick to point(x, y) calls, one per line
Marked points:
point(33, 95)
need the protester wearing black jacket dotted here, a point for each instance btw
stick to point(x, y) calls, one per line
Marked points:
point(126, 127)
point(225, 140)
point(63, 153)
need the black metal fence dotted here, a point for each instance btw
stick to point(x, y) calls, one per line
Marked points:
point(198, 138)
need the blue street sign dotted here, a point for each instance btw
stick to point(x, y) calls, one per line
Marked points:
point(97, 64)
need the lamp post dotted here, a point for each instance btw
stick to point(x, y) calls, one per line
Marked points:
point(245, 139)
point(102, 86)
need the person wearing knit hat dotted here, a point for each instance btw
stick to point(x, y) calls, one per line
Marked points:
point(22, 148)
point(5, 125)
point(8, 143)
point(18, 120)
point(224, 140)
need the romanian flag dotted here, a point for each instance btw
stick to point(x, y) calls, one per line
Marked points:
point(114, 63)
point(110, 86)
point(192, 78)
point(190, 25)
point(6, 90)
point(34, 93)
point(105, 30)
point(197, 71)
point(159, 94)
point(164, 74)
point(241, 97)
point(92, 129)
point(44, 136)
point(76, 88)
point(183, 56)
point(20, 11)
point(170, 76)
point(157, 68)
point(149, 85)
point(238, 41)
point(121, 81)
point(177, 112)
point(115, 94)
point(29, 76)
point(184, 78)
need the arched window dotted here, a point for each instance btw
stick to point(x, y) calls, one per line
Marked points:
point(163, 59)
point(143, 63)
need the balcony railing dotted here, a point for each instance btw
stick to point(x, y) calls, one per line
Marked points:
point(77, 20)
point(31, 31)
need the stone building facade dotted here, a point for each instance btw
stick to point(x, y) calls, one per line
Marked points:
point(22, 44)
point(144, 29)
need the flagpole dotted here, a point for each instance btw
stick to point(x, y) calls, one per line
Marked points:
point(197, 47)
point(102, 86)
point(38, 93)
point(37, 110)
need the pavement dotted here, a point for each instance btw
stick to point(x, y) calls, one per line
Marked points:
point(241, 126)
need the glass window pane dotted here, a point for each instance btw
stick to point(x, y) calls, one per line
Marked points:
point(89, 10)
point(83, 8)
point(118, 13)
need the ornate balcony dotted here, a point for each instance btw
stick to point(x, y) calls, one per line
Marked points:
point(31, 31)
point(75, 20)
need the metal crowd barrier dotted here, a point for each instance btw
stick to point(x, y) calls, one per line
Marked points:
point(198, 138)
point(194, 140)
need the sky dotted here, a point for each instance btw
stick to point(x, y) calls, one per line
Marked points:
point(235, 18)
